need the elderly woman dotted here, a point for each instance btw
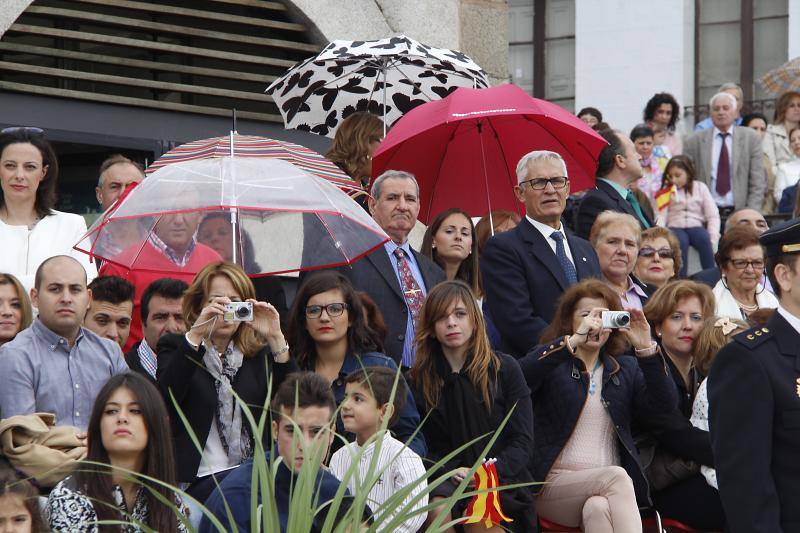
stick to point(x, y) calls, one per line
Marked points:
point(742, 288)
point(676, 313)
point(616, 238)
point(660, 257)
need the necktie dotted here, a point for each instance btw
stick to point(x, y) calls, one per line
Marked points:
point(723, 168)
point(561, 254)
point(411, 291)
point(631, 198)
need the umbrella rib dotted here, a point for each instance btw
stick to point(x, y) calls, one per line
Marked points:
point(416, 84)
point(441, 164)
point(325, 224)
point(511, 178)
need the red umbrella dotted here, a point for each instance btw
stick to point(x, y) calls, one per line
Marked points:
point(464, 149)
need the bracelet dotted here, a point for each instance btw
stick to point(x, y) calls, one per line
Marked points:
point(193, 345)
point(281, 351)
point(650, 350)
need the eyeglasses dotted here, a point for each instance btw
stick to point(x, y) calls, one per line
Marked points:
point(334, 309)
point(741, 264)
point(663, 253)
point(537, 184)
point(27, 130)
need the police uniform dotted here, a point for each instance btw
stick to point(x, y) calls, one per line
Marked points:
point(754, 415)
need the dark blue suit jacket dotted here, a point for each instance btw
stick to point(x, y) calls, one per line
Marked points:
point(523, 280)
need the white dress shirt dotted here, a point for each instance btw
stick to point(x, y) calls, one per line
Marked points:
point(546, 231)
point(790, 318)
point(716, 148)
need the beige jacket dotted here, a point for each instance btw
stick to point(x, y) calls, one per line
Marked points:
point(36, 446)
point(776, 146)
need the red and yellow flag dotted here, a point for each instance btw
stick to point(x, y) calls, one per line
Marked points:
point(664, 196)
point(485, 507)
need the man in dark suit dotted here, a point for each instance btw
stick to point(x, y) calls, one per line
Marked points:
point(728, 158)
point(617, 168)
point(742, 217)
point(395, 275)
point(161, 314)
point(525, 270)
point(754, 404)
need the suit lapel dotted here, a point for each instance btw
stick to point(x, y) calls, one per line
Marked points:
point(622, 204)
point(737, 172)
point(380, 260)
point(424, 269)
point(579, 257)
point(540, 249)
point(706, 153)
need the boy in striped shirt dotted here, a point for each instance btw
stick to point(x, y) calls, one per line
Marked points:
point(368, 401)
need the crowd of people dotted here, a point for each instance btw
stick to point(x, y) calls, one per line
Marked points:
point(568, 342)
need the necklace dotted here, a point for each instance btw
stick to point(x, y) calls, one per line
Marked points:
point(746, 308)
point(592, 383)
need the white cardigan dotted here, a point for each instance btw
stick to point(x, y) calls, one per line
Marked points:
point(727, 306)
point(24, 250)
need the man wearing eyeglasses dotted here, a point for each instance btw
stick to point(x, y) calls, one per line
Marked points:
point(617, 168)
point(525, 270)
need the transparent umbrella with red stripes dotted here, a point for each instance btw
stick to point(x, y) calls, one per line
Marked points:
point(280, 217)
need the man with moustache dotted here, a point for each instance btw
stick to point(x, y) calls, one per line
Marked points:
point(56, 365)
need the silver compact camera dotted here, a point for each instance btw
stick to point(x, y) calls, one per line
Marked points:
point(238, 312)
point(615, 319)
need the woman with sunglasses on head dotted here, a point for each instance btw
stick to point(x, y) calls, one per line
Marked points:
point(659, 258)
point(130, 452)
point(219, 355)
point(329, 335)
point(742, 288)
point(30, 229)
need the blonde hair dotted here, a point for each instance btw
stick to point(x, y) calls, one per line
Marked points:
point(26, 309)
point(350, 148)
point(612, 218)
point(196, 297)
point(711, 340)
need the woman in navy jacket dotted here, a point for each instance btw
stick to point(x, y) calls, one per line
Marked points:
point(585, 396)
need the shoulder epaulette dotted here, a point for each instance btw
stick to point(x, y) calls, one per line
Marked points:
point(753, 337)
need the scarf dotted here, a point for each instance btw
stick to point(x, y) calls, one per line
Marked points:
point(228, 417)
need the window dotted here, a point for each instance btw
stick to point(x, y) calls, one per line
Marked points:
point(541, 55)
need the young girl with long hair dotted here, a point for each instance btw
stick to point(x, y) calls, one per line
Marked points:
point(692, 214)
point(466, 390)
point(19, 503)
point(130, 446)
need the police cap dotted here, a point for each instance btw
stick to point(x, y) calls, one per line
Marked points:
point(782, 239)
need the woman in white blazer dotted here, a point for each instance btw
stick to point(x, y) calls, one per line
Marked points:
point(30, 229)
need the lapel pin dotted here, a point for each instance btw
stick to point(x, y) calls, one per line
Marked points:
point(584, 259)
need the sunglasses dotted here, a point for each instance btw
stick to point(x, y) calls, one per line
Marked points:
point(663, 253)
point(25, 130)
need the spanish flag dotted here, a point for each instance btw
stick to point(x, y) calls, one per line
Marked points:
point(664, 196)
point(485, 507)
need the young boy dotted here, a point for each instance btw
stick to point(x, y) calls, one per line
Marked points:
point(302, 427)
point(367, 404)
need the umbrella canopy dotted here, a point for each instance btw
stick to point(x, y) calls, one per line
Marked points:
point(783, 78)
point(386, 77)
point(464, 149)
point(254, 146)
point(278, 217)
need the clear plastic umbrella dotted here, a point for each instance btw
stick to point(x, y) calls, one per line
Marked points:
point(278, 217)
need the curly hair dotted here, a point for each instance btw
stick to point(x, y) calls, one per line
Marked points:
point(655, 102)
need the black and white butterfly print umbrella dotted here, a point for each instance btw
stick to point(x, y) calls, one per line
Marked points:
point(386, 77)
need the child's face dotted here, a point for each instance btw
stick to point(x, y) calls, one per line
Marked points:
point(659, 137)
point(644, 146)
point(360, 412)
point(14, 516)
point(303, 432)
point(678, 177)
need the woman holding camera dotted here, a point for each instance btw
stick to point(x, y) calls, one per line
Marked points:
point(199, 372)
point(586, 394)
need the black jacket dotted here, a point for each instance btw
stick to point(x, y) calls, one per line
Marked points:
point(182, 374)
point(135, 364)
point(523, 281)
point(633, 388)
point(754, 416)
point(603, 198)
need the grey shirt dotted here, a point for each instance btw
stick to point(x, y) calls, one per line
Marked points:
point(40, 373)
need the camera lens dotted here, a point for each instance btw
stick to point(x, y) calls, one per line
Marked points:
point(623, 320)
point(242, 312)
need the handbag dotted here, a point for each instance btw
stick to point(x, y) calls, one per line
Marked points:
point(663, 468)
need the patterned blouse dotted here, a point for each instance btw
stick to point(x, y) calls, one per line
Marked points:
point(68, 509)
